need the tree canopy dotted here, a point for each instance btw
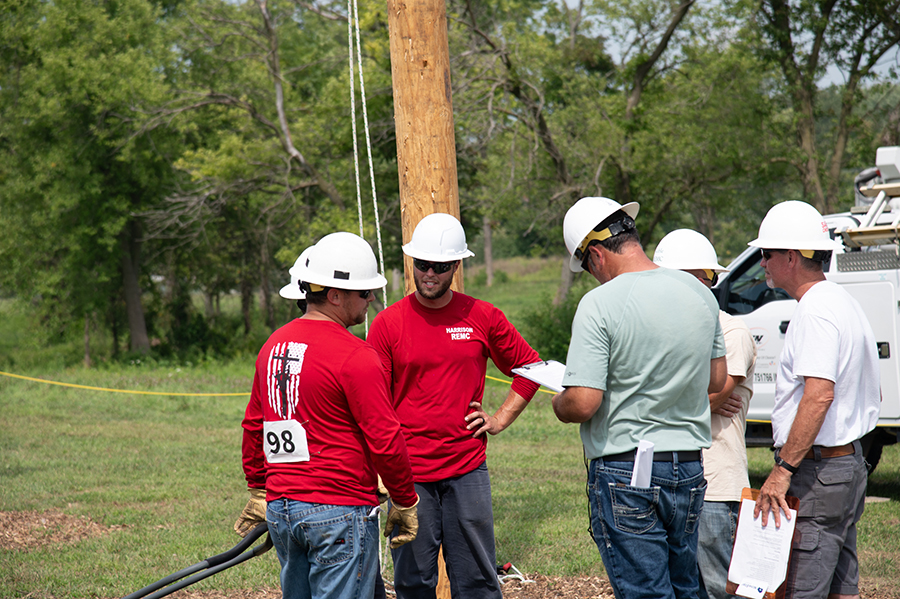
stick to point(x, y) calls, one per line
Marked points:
point(157, 150)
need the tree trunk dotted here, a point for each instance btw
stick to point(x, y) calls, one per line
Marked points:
point(806, 131)
point(115, 328)
point(488, 250)
point(565, 283)
point(87, 340)
point(266, 287)
point(137, 326)
point(246, 302)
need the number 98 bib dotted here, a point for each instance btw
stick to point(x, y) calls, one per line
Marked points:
point(285, 441)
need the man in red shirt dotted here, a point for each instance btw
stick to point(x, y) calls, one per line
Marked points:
point(318, 425)
point(435, 344)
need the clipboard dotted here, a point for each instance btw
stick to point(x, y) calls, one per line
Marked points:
point(731, 587)
point(548, 373)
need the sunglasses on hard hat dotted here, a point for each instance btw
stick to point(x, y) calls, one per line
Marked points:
point(439, 268)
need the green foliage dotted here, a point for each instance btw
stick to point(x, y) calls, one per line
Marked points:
point(548, 326)
point(151, 130)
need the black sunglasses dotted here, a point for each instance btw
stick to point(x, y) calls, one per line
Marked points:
point(767, 254)
point(365, 294)
point(439, 268)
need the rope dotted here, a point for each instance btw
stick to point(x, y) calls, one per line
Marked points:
point(353, 23)
point(365, 111)
point(353, 124)
point(28, 378)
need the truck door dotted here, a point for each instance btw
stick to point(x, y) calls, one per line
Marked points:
point(879, 302)
point(743, 292)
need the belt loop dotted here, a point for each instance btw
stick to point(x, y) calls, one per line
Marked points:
point(817, 452)
point(675, 458)
point(857, 447)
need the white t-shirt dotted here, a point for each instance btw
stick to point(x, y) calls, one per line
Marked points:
point(829, 337)
point(725, 462)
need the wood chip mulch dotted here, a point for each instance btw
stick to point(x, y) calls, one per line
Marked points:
point(30, 530)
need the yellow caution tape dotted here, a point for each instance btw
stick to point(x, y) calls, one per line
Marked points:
point(542, 390)
point(74, 386)
point(28, 378)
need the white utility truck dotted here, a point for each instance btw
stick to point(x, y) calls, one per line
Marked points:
point(867, 265)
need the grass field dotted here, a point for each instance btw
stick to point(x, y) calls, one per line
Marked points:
point(165, 471)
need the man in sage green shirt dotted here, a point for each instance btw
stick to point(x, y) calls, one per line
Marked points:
point(646, 350)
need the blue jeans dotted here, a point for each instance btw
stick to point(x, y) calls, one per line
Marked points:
point(648, 536)
point(455, 512)
point(325, 550)
point(718, 524)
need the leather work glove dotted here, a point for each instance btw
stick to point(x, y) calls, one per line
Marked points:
point(381, 491)
point(407, 519)
point(254, 512)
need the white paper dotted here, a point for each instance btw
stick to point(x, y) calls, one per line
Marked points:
point(760, 556)
point(643, 464)
point(753, 589)
point(549, 374)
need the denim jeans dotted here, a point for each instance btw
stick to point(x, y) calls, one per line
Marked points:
point(718, 524)
point(455, 512)
point(648, 536)
point(325, 550)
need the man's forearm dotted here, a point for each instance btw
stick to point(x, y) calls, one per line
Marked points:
point(817, 397)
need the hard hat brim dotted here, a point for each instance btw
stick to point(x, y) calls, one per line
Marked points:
point(292, 291)
point(412, 252)
point(781, 244)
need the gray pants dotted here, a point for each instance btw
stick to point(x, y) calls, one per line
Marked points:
point(832, 493)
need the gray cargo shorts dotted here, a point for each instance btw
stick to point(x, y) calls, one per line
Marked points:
point(832, 493)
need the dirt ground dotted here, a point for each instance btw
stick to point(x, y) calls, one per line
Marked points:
point(27, 530)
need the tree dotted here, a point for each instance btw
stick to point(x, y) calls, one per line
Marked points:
point(807, 37)
point(77, 176)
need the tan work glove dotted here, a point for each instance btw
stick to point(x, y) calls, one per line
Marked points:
point(407, 519)
point(254, 512)
point(381, 491)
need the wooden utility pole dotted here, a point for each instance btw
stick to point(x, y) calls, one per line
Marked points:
point(423, 118)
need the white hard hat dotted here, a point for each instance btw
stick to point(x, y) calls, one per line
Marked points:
point(581, 219)
point(438, 237)
point(794, 225)
point(343, 261)
point(686, 249)
point(292, 290)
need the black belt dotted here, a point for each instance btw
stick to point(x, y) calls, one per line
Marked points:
point(658, 456)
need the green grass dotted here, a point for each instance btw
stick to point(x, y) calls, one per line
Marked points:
point(168, 469)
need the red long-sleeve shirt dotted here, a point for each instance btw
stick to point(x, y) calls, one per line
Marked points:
point(315, 379)
point(437, 360)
